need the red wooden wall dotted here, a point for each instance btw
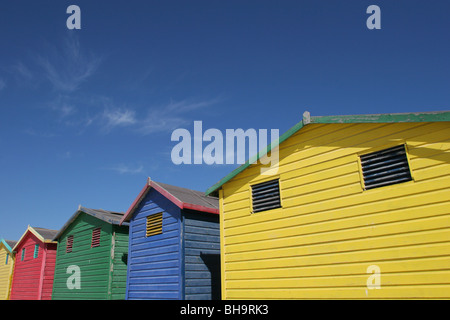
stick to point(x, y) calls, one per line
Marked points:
point(33, 277)
point(49, 272)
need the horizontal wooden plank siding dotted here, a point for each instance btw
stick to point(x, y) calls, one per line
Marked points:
point(27, 272)
point(49, 271)
point(6, 269)
point(120, 259)
point(202, 255)
point(154, 266)
point(330, 230)
point(93, 262)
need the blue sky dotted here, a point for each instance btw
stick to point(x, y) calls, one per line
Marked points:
point(87, 115)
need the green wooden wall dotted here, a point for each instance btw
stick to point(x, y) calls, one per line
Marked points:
point(119, 272)
point(102, 268)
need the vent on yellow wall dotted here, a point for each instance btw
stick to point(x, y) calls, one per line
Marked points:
point(385, 167)
point(154, 224)
point(266, 196)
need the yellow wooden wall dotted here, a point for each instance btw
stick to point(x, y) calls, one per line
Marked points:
point(6, 271)
point(329, 231)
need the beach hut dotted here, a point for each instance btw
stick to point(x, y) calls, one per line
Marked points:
point(34, 265)
point(91, 260)
point(356, 207)
point(6, 267)
point(174, 244)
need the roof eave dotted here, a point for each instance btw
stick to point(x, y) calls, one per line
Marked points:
point(31, 230)
point(75, 216)
point(434, 116)
point(180, 204)
point(7, 246)
point(136, 202)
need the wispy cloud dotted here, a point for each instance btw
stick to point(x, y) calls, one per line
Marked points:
point(125, 169)
point(65, 155)
point(34, 133)
point(69, 66)
point(63, 106)
point(105, 115)
point(156, 119)
point(118, 117)
point(171, 116)
point(21, 71)
point(22, 75)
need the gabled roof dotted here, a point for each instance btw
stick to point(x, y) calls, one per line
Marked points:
point(110, 217)
point(181, 197)
point(307, 119)
point(44, 235)
point(9, 244)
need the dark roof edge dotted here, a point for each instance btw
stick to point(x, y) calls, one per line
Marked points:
point(91, 212)
point(7, 245)
point(171, 197)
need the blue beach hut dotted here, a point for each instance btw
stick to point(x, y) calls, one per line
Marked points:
point(174, 244)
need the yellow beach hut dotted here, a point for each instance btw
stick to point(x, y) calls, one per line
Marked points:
point(358, 207)
point(6, 267)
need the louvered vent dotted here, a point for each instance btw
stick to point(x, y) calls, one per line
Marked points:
point(385, 167)
point(154, 224)
point(69, 244)
point(36, 251)
point(95, 237)
point(266, 196)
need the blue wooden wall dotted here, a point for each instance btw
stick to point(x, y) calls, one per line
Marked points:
point(202, 255)
point(154, 263)
point(181, 263)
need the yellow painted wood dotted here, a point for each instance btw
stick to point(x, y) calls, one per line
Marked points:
point(353, 280)
point(319, 253)
point(392, 292)
point(330, 230)
point(222, 262)
point(388, 266)
point(6, 271)
point(366, 225)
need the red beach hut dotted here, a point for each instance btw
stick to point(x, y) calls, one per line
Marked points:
point(35, 265)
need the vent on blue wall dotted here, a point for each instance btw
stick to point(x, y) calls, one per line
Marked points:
point(154, 225)
point(385, 167)
point(266, 196)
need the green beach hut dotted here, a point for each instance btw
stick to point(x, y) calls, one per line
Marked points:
point(91, 261)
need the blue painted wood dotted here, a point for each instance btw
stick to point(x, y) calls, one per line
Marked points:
point(154, 266)
point(202, 255)
point(181, 263)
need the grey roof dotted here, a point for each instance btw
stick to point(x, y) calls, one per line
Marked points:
point(47, 234)
point(111, 217)
point(182, 197)
point(11, 243)
point(190, 196)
